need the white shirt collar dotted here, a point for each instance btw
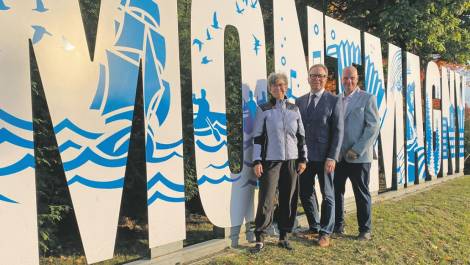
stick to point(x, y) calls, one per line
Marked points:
point(350, 95)
point(318, 94)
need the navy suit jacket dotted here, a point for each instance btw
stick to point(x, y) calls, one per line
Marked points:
point(324, 126)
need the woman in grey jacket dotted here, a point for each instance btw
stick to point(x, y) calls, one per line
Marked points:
point(279, 156)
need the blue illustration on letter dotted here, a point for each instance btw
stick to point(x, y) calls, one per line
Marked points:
point(210, 130)
point(346, 52)
point(138, 27)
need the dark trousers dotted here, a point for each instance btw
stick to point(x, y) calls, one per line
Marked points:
point(309, 200)
point(358, 174)
point(280, 175)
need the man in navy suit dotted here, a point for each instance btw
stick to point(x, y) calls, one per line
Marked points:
point(322, 116)
point(362, 125)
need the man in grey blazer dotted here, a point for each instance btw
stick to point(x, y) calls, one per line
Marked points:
point(322, 116)
point(361, 128)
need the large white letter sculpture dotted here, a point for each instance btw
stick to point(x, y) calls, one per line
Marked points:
point(288, 49)
point(91, 106)
point(432, 120)
point(18, 226)
point(414, 122)
point(227, 197)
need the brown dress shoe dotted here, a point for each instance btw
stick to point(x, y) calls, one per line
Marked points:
point(324, 241)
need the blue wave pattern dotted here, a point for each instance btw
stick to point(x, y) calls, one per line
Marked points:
point(433, 148)
point(210, 180)
point(159, 178)
point(122, 59)
point(4, 198)
point(210, 126)
point(347, 53)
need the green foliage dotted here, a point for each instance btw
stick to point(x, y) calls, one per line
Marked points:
point(426, 28)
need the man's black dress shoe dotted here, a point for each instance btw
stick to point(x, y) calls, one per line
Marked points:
point(285, 244)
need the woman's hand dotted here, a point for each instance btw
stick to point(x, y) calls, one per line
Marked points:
point(258, 168)
point(301, 167)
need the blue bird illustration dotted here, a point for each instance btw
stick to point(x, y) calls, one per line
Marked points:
point(199, 43)
point(39, 32)
point(254, 4)
point(215, 21)
point(246, 2)
point(208, 35)
point(205, 60)
point(257, 44)
point(3, 6)
point(239, 10)
point(40, 6)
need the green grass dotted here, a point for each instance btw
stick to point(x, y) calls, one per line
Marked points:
point(432, 227)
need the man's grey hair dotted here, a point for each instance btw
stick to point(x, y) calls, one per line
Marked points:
point(273, 77)
point(320, 65)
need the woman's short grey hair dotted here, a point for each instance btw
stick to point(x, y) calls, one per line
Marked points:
point(273, 77)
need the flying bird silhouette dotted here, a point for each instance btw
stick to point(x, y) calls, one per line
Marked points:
point(257, 44)
point(246, 2)
point(198, 43)
point(40, 6)
point(39, 32)
point(3, 6)
point(253, 4)
point(239, 10)
point(208, 35)
point(205, 60)
point(215, 21)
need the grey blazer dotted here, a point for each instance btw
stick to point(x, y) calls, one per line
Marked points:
point(323, 126)
point(361, 126)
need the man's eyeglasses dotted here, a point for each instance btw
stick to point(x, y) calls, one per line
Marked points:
point(315, 76)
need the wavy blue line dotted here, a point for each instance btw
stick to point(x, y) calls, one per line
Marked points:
point(89, 155)
point(160, 178)
point(210, 149)
point(164, 158)
point(163, 146)
point(226, 164)
point(157, 195)
point(23, 124)
point(205, 178)
point(25, 162)
point(70, 125)
point(6, 199)
point(105, 185)
point(127, 115)
point(7, 136)
point(69, 144)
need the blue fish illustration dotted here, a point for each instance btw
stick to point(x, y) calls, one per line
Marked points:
point(39, 32)
point(215, 21)
point(206, 60)
point(239, 9)
point(199, 43)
